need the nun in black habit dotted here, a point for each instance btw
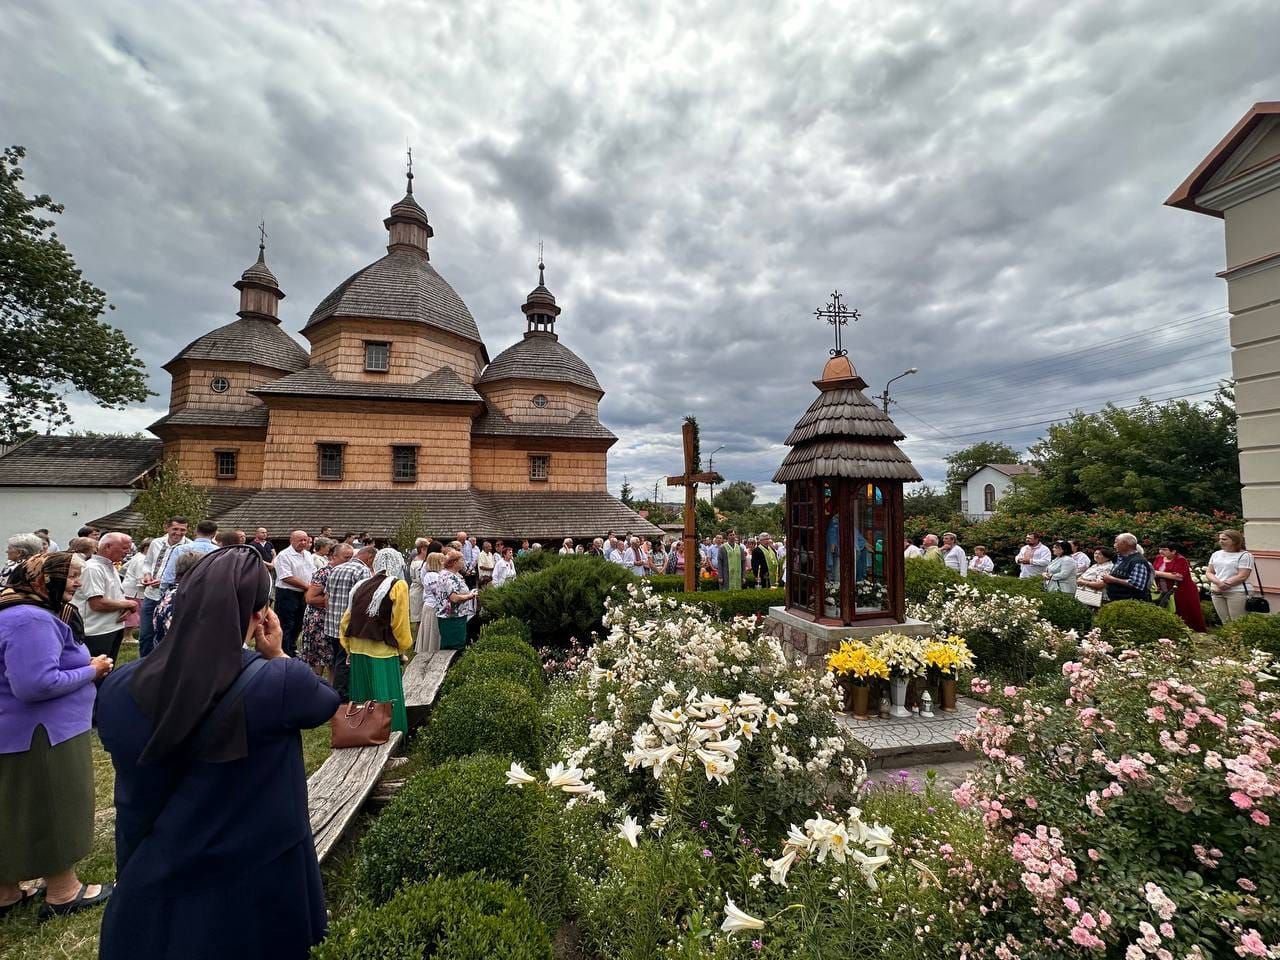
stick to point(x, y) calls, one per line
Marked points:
point(214, 853)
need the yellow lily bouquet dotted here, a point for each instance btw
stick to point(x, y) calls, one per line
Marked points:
point(948, 655)
point(855, 661)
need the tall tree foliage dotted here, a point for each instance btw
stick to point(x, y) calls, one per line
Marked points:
point(52, 337)
point(736, 497)
point(1153, 457)
point(169, 493)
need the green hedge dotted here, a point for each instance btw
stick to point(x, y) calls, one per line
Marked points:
point(452, 819)
point(674, 583)
point(728, 604)
point(484, 716)
point(1257, 631)
point(563, 601)
point(459, 918)
point(506, 643)
point(496, 665)
point(1137, 623)
point(507, 627)
point(923, 576)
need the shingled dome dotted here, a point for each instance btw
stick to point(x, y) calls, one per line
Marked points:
point(540, 356)
point(843, 434)
point(247, 340)
point(400, 286)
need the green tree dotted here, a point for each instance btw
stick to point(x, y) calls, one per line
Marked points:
point(704, 518)
point(412, 526)
point(1151, 457)
point(735, 497)
point(626, 495)
point(49, 319)
point(169, 493)
point(962, 464)
point(927, 502)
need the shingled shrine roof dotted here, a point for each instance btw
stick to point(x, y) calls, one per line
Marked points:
point(78, 462)
point(540, 356)
point(247, 340)
point(400, 286)
point(582, 426)
point(443, 386)
point(844, 434)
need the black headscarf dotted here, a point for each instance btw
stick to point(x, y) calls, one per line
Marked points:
point(42, 581)
point(179, 684)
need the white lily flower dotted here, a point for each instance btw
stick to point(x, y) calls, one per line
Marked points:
point(716, 766)
point(878, 838)
point(799, 840)
point(516, 777)
point(773, 719)
point(669, 689)
point(783, 698)
point(869, 866)
point(629, 831)
point(838, 842)
point(728, 747)
point(717, 722)
point(559, 777)
point(748, 729)
point(778, 868)
point(735, 919)
point(658, 823)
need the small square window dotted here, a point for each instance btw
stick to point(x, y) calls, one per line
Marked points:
point(539, 466)
point(404, 464)
point(329, 456)
point(225, 464)
point(377, 357)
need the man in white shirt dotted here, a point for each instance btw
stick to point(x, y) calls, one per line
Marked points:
point(953, 554)
point(152, 570)
point(1033, 559)
point(294, 568)
point(101, 600)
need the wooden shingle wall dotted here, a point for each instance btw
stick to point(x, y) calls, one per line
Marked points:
point(195, 456)
point(369, 430)
point(500, 465)
point(417, 350)
point(514, 399)
point(192, 385)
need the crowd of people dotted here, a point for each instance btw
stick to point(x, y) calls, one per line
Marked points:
point(1119, 572)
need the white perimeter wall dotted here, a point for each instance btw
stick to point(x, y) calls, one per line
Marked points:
point(63, 510)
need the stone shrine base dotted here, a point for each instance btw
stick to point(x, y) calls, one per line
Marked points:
point(810, 642)
point(914, 741)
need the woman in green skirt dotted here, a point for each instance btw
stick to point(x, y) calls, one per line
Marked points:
point(375, 632)
point(457, 603)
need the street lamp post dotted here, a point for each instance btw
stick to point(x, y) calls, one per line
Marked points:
point(884, 397)
point(711, 465)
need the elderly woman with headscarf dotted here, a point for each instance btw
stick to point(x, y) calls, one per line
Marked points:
point(375, 632)
point(21, 549)
point(46, 766)
point(214, 853)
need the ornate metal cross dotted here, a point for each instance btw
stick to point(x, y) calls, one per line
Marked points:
point(262, 235)
point(838, 315)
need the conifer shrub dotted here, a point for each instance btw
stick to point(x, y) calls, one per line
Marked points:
point(727, 604)
point(496, 665)
point(484, 716)
point(563, 601)
point(458, 918)
point(1137, 623)
point(1256, 631)
point(506, 643)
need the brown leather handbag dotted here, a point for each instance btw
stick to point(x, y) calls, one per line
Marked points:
point(365, 724)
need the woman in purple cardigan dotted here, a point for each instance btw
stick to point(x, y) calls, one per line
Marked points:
point(46, 709)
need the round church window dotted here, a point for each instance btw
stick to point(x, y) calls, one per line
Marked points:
point(220, 384)
point(539, 400)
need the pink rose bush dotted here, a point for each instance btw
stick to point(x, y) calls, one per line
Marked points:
point(1136, 795)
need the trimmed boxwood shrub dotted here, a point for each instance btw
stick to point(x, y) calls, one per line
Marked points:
point(485, 716)
point(459, 918)
point(924, 576)
point(1257, 631)
point(728, 604)
point(564, 600)
point(1065, 612)
point(496, 665)
point(506, 627)
point(1136, 623)
point(452, 819)
point(506, 643)
point(674, 582)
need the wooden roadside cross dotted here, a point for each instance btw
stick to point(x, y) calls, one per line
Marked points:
point(690, 480)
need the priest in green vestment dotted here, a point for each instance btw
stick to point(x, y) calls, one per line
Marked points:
point(729, 563)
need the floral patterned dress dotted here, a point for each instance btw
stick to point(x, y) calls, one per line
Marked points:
point(315, 651)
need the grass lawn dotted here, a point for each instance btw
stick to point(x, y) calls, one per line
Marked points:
point(76, 937)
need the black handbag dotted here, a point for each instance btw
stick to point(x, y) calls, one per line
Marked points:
point(1256, 603)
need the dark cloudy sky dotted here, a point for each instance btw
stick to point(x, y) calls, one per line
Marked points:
point(983, 180)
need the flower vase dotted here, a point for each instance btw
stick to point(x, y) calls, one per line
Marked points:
point(898, 697)
point(858, 698)
point(949, 694)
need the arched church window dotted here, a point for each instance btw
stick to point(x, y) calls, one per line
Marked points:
point(989, 498)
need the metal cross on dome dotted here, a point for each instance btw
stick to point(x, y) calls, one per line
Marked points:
point(838, 315)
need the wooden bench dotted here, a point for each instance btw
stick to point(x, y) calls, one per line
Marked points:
point(338, 790)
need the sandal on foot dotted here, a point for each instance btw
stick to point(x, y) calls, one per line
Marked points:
point(79, 902)
point(27, 897)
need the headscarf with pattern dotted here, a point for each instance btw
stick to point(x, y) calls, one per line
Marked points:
point(42, 581)
point(388, 561)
